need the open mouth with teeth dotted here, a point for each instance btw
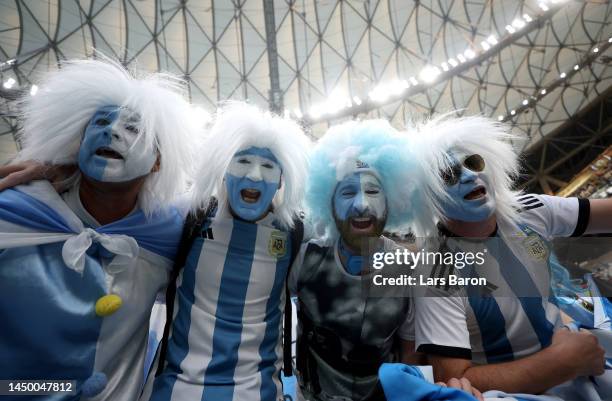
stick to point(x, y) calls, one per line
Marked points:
point(362, 223)
point(477, 193)
point(108, 153)
point(250, 195)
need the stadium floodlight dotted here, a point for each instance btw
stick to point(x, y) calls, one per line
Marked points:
point(492, 40)
point(485, 45)
point(512, 112)
point(429, 73)
point(469, 53)
point(518, 23)
point(298, 113)
point(500, 117)
point(413, 81)
point(445, 66)
point(314, 112)
point(543, 92)
point(543, 6)
point(510, 29)
point(596, 50)
point(527, 18)
point(8, 84)
point(525, 102)
point(33, 90)
point(563, 75)
point(453, 62)
point(356, 100)
point(576, 67)
point(461, 58)
point(379, 94)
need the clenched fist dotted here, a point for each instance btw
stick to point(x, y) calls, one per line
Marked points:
point(580, 351)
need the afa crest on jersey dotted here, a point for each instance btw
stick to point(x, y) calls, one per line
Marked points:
point(277, 244)
point(536, 247)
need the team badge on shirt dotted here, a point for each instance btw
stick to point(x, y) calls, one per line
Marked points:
point(536, 247)
point(277, 245)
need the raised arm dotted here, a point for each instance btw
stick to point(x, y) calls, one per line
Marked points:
point(600, 216)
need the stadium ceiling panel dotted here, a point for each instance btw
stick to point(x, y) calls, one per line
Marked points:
point(532, 63)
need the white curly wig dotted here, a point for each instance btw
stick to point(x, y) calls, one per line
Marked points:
point(444, 135)
point(55, 119)
point(239, 126)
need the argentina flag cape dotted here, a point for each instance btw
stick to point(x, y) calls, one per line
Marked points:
point(75, 300)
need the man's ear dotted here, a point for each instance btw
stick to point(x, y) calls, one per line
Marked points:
point(157, 165)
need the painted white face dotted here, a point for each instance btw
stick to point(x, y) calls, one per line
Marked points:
point(252, 180)
point(112, 149)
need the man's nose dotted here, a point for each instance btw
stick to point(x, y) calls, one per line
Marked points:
point(361, 203)
point(467, 175)
point(255, 173)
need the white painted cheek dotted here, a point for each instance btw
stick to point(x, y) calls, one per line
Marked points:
point(486, 181)
point(374, 202)
point(376, 205)
point(271, 175)
point(138, 165)
point(237, 169)
point(138, 162)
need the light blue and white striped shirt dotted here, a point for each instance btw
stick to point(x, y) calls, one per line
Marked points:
point(225, 339)
point(520, 315)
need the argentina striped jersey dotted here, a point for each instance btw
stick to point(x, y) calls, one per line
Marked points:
point(519, 316)
point(225, 338)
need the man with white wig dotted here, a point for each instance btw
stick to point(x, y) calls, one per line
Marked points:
point(506, 335)
point(224, 332)
point(80, 269)
point(361, 182)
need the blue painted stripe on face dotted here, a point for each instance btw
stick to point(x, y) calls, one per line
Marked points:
point(520, 281)
point(230, 308)
point(95, 136)
point(245, 210)
point(178, 343)
point(267, 349)
point(262, 152)
point(491, 323)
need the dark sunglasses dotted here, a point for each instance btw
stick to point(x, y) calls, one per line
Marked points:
point(473, 162)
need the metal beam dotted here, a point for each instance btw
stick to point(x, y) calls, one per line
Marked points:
point(558, 157)
point(367, 104)
point(275, 98)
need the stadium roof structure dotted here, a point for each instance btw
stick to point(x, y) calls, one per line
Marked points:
point(538, 65)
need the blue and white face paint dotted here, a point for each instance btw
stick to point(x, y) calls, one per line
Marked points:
point(252, 180)
point(112, 149)
point(360, 207)
point(466, 184)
